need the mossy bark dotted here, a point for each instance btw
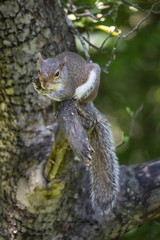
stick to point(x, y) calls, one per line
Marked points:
point(28, 199)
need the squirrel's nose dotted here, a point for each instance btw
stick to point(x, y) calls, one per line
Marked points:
point(44, 83)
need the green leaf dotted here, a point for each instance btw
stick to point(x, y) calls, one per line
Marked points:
point(95, 11)
point(128, 110)
point(110, 30)
point(125, 138)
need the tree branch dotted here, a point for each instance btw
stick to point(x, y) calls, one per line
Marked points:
point(88, 14)
point(121, 36)
point(102, 44)
point(139, 196)
point(138, 8)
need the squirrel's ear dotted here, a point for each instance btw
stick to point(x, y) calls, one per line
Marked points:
point(62, 62)
point(40, 58)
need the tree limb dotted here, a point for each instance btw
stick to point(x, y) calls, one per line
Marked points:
point(139, 8)
point(138, 201)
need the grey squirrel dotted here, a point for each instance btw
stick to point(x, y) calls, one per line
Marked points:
point(69, 76)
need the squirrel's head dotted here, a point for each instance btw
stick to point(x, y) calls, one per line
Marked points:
point(52, 73)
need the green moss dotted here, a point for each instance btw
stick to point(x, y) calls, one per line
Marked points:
point(3, 106)
point(7, 43)
point(10, 91)
point(22, 36)
point(23, 19)
point(9, 9)
point(10, 24)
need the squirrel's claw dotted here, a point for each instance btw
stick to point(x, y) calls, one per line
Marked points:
point(74, 97)
point(37, 84)
point(85, 154)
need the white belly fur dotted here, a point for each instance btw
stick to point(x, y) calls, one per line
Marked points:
point(85, 88)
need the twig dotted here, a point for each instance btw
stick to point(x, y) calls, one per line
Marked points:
point(89, 14)
point(138, 8)
point(134, 119)
point(143, 19)
point(75, 8)
point(113, 56)
point(105, 69)
point(132, 124)
point(75, 30)
point(94, 46)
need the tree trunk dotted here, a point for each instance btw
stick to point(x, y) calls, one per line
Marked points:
point(25, 142)
point(44, 192)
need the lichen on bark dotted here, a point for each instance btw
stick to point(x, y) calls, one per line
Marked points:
point(25, 142)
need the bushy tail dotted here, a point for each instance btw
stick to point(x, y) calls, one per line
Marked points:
point(104, 169)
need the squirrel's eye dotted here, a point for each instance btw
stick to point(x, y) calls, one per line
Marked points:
point(56, 74)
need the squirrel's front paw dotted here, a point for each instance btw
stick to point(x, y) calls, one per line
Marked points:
point(75, 97)
point(85, 152)
point(37, 84)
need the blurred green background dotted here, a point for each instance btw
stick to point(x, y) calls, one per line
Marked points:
point(131, 86)
point(134, 79)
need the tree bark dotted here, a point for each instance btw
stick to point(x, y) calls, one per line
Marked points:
point(25, 143)
point(44, 191)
